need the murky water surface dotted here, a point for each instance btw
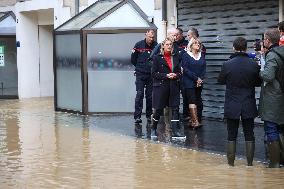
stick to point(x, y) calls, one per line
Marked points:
point(40, 148)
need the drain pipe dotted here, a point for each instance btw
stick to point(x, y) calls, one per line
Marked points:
point(77, 5)
point(164, 17)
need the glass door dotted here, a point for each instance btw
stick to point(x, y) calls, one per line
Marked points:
point(8, 67)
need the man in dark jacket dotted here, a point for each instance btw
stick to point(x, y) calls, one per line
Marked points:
point(139, 58)
point(240, 74)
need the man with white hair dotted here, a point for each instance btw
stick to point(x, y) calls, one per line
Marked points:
point(172, 33)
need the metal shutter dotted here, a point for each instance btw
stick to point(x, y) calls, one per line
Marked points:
point(219, 22)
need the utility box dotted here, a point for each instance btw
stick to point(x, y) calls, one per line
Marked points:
point(92, 67)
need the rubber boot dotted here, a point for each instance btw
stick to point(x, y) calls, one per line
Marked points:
point(175, 130)
point(281, 142)
point(250, 146)
point(138, 130)
point(148, 128)
point(193, 115)
point(154, 125)
point(274, 154)
point(231, 151)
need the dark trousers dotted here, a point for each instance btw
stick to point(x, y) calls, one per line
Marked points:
point(185, 110)
point(159, 112)
point(193, 96)
point(233, 126)
point(142, 82)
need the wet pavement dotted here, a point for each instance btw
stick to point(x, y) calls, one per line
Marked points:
point(211, 137)
point(40, 148)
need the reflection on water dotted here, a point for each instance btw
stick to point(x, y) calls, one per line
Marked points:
point(40, 148)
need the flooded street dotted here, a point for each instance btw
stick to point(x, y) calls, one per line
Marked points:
point(40, 148)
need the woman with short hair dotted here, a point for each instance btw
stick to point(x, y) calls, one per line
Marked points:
point(194, 67)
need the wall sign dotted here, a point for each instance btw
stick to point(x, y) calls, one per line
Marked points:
point(2, 57)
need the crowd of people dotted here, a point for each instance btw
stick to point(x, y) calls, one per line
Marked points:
point(177, 65)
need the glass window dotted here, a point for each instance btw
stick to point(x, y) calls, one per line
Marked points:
point(68, 72)
point(126, 12)
point(8, 26)
point(111, 83)
point(86, 17)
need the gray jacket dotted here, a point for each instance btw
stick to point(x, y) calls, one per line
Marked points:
point(271, 104)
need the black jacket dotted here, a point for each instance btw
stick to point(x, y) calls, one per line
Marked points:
point(240, 74)
point(140, 55)
point(166, 91)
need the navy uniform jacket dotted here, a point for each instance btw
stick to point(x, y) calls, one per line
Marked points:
point(240, 74)
point(140, 55)
point(182, 45)
point(166, 92)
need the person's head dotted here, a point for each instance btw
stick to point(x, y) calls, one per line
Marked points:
point(271, 37)
point(179, 34)
point(150, 36)
point(194, 45)
point(281, 27)
point(167, 45)
point(240, 44)
point(172, 33)
point(193, 32)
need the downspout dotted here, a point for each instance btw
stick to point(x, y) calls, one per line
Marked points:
point(281, 13)
point(164, 17)
point(77, 5)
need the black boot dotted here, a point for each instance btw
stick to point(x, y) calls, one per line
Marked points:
point(138, 130)
point(148, 128)
point(231, 150)
point(175, 130)
point(250, 146)
point(274, 154)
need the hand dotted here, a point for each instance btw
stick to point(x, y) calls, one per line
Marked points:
point(171, 75)
point(199, 82)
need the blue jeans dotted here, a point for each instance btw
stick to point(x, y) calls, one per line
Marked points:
point(271, 131)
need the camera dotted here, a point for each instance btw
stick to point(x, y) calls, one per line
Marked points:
point(257, 45)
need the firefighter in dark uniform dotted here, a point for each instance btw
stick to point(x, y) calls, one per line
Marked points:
point(140, 59)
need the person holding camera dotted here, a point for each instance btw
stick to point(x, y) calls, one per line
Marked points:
point(240, 74)
point(281, 30)
point(271, 104)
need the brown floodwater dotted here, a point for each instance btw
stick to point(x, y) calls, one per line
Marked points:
point(40, 148)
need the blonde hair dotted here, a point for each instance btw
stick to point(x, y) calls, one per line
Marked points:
point(193, 41)
point(163, 43)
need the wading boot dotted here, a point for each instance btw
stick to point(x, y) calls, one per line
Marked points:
point(274, 154)
point(281, 142)
point(231, 150)
point(250, 146)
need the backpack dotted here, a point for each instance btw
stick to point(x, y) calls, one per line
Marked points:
point(280, 71)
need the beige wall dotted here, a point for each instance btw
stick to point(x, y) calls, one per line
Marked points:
point(71, 4)
point(4, 3)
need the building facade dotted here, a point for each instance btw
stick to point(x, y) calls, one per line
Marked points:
point(217, 21)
